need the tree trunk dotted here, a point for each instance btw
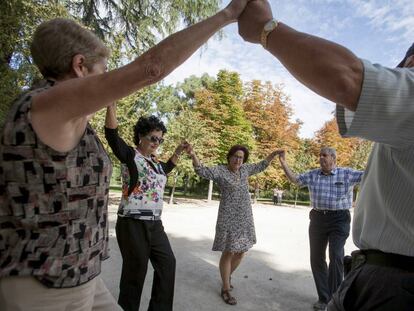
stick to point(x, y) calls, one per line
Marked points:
point(256, 194)
point(296, 196)
point(185, 185)
point(210, 191)
point(173, 189)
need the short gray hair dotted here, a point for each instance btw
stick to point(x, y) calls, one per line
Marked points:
point(56, 41)
point(330, 151)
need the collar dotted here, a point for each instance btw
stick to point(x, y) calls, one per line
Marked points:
point(152, 157)
point(333, 172)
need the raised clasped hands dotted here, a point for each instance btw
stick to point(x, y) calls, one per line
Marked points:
point(235, 8)
point(278, 152)
point(275, 153)
point(256, 14)
point(282, 154)
point(189, 150)
point(183, 146)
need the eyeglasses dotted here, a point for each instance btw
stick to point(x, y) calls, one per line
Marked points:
point(238, 157)
point(155, 139)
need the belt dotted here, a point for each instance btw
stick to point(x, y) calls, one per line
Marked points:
point(328, 211)
point(149, 217)
point(141, 217)
point(378, 258)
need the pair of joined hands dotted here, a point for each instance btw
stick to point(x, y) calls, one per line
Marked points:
point(184, 146)
point(251, 16)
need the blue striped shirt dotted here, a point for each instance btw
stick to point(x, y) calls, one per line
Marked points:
point(333, 191)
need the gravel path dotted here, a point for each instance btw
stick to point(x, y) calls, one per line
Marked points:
point(275, 274)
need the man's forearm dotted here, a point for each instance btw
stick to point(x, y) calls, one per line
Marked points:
point(196, 162)
point(325, 67)
point(288, 172)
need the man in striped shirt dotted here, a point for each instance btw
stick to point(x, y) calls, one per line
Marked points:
point(331, 194)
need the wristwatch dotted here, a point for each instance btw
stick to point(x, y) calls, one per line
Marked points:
point(267, 29)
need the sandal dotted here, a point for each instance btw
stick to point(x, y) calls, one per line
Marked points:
point(229, 299)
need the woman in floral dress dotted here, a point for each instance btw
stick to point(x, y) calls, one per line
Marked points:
point(235, 233)
point(139, 230)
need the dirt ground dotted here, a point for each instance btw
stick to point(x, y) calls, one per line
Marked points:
point(275, 274)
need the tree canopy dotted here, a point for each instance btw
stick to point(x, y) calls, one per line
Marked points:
point(129, 27)
point(212, 113)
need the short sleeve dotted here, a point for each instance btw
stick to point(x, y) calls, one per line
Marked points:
point(385, 111)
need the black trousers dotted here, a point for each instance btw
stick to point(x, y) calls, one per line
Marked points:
point(328, 228)
point(141, 241)
point(370, 287)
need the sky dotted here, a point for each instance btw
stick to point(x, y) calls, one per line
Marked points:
point(377, 30)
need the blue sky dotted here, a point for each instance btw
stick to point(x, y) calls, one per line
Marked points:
point(377, 30)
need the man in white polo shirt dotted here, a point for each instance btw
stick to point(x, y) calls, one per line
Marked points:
point(376, 103)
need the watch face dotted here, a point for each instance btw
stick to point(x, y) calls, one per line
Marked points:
point(270, 25)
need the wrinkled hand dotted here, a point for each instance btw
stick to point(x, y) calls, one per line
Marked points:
point(251, 21)
point(275, 153)
point(235, 8)
point(282, 154)
point(278, 152)
point(189, 149)
point(181, 147)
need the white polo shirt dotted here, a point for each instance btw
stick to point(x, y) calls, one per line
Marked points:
point(384, 215)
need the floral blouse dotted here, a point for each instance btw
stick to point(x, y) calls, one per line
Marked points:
point(143, 180)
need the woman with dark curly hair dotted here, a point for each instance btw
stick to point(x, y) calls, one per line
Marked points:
point(139, 230)
point(235, 233)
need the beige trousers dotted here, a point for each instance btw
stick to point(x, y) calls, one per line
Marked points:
point(28, 294)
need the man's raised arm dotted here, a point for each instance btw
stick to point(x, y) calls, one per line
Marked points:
point(288, 172)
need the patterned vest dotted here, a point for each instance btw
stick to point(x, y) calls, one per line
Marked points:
point(146, 200)
point(53, 205)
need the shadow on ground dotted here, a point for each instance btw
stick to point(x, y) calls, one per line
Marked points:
point(258, 284)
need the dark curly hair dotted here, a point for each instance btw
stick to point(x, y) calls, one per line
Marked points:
point(146, 125)
point(236, 148)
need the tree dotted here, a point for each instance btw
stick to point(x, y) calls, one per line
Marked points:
point(303, 160)
point(360, 155)
point(191, 85)
point(141, 23)
point(18, 19)
point(350, 151)
point(269, 111)
point(191, 127)
point(221, 108)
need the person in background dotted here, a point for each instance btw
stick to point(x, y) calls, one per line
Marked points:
point(275, 196)
point(279, 197)
point(235, 232)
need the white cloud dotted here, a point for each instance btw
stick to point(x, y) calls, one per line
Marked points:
point(395, 16)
